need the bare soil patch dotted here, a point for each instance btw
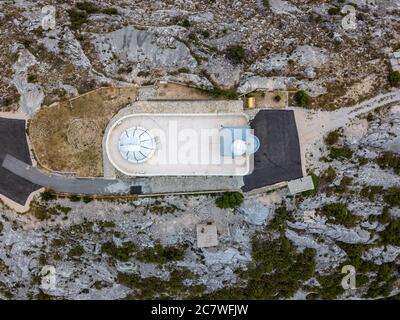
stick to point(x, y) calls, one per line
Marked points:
point(67, 137)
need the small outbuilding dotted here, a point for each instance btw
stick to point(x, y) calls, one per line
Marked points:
point(207, 235)
point(301, 185)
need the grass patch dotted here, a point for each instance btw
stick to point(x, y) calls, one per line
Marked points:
point(50, 127)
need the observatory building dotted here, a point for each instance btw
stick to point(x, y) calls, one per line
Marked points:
point(201, 144)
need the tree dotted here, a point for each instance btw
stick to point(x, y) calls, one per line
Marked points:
point(236, 54)
point(302, 98)
point(229, 200)
point(394, 78)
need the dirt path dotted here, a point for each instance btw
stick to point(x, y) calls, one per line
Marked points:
point(314, 124)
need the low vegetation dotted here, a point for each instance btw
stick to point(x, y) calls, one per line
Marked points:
point(394, 78)
point(160, 254)
point(389, 160)
point(236, 54)
point(339, 153)
point(229, 200)
point(278, 271)
point(333, 137)
point(278, 223)
point(120, 253)
point(337, 213)
point(302, 99)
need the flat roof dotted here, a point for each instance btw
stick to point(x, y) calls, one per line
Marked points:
point(186, 145)
point(278, 158)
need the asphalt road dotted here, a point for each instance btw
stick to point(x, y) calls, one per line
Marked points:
point(60, 183)
point(13, 143)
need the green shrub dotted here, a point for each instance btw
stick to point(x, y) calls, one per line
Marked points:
point(185, 23)
point(338, 213)
point(316, 183)
point(385, 217)
point(328, 175)
point(331, 286)
point(343, 185)
point(236, 54)
point(160, 254)
point(229, 200)
point(354, 253)
point(392, 197)
point(370, 192)
point(153, 287)
point(333, 137)
point(394, 78)
point(277, 98)
point(278, 223)
point(302, 99)
point(48, 195)
point(88, 7)
point(74, 198)
point(389, 160)
point(361, 280)
point(76, 251)
point(77, 18)
point(122, 253)
point(32, 78)
point(205, 33)
point(87, 199)
point(334, 11)
point(278, 271)
point(110, 11)
point(391, 235)
point(340, 153)
point(230, 94)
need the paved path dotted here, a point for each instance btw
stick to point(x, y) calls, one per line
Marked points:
point(312, 125)
point(65, 184)
point(99, 186)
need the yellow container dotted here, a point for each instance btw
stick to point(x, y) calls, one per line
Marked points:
point(251, 102)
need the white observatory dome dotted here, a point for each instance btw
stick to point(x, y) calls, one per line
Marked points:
point(136, 145)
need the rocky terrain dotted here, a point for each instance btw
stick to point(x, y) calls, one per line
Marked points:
point(229, 45)
point(295, 246)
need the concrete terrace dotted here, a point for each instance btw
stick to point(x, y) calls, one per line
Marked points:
point(187, 145)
